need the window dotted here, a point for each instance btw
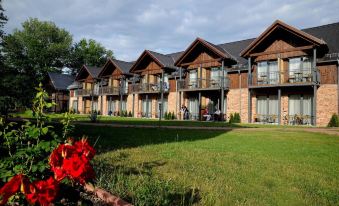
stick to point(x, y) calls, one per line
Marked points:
point(268, 72)
point(300, 69)
point(95, 105)
point(267, 109)
point(75, 105)
point(123, 105)
point(110, 107)
point(193, 77)
point(165, 106)
point(146, 107)
point(215, 74)
point(300, 109)
point(193, 107)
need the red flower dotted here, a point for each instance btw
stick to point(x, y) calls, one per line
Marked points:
point(83, 148)
point(42, 192)
point(10, 188)
point(78, 168)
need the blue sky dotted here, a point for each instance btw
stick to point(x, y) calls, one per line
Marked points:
point(129, 26)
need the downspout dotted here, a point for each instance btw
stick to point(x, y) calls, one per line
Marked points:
point(162, 94)
point(338, 84)
point(239, 92)
point(222, 106)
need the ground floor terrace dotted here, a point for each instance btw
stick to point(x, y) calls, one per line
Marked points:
point(297, 105)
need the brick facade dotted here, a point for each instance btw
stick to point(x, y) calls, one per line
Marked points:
point(327, 103)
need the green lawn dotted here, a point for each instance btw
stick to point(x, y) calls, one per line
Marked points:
point(185, 167)
point(155, 122)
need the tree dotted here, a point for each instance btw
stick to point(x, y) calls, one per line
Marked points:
point(88, 52)
point(39, 47)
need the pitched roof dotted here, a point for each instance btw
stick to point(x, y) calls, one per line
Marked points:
point(165, 60)
point(215, 48)
point(279, 24)
point(124, 66)
point(60, 81)
point(94, 71)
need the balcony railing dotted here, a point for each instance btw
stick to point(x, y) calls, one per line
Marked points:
point(286, 120)
point(88, 92)
point(277, 77)
point(113, 90)
point(189, 84)
point(149, 87)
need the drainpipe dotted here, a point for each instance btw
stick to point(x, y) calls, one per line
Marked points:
point(239, 72)
point(315, 82)
point(338, 84)
point(180, 80)
point(222, 109)
point(162, 94)
point(249, 82)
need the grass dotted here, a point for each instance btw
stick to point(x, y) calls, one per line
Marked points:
point(186, 167)
point(154, 122)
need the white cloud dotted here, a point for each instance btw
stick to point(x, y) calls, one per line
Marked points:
point(130, 26)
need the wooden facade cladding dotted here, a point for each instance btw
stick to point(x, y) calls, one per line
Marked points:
point(204, 60)
point(238, 80)
point(172, 85)
point(328, 74)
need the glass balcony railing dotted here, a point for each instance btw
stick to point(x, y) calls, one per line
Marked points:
point(277, 77)
point(201, 83)
point(114, 90)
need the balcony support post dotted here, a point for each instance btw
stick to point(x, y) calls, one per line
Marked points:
point(279, 106)
point(77, 98)
point(147, 106)
point(315, 87)
point(222, 109)
point(162, 95)
point(200, 82)
point(133, 97)
point(199, 101)
point(101, 97)
point(180, 92)
point(249, 82)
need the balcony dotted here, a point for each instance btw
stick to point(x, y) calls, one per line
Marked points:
point(113, 90)
point(300, 77)
point(203, 84)
point(149, 87)
point(88, 92)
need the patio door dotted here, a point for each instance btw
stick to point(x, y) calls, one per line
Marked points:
point(110, 107)
point(146, 107)
point(193, 107)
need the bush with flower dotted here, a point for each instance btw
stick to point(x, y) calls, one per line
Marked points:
point(28, 174)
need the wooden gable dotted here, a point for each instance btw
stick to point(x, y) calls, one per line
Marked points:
point(147, 64)
point(84, 75)
point(281, 38)
point(110, 69)
point(200, 53)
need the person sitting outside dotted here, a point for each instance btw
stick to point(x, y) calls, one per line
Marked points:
point(217, 114)
point(207, 115)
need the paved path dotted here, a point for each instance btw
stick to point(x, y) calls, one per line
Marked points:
point(330, 131)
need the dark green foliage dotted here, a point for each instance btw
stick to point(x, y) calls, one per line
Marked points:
point(166, 115)
point(88, 52)
point(130, 114)
point(235, 118)
point(173, 116)
point(25, 146)
point(334, 121)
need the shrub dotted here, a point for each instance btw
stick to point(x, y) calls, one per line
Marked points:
point(334, 121)
point(166, 115)
point(173, 116)
point(235, 118)
point(130, 114)
point(93, 117)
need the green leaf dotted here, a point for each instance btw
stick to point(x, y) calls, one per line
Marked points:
point(44, 130)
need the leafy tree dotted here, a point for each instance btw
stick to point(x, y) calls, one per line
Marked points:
point(88, 52)
point(39, 47)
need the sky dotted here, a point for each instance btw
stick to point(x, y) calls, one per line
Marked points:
point(128, 27)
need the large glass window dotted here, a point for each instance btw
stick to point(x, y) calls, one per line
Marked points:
point(300, 69)
point(267, 109)
point(300, 109)
point(75, 105)
point(193, 77)
point(110, 107)
point(165, 106)
point(95, 106)
point(146, 107)
point(268, 72)
point(215, 74)
point(193, 107)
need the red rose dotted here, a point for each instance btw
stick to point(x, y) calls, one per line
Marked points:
point(77, 168)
